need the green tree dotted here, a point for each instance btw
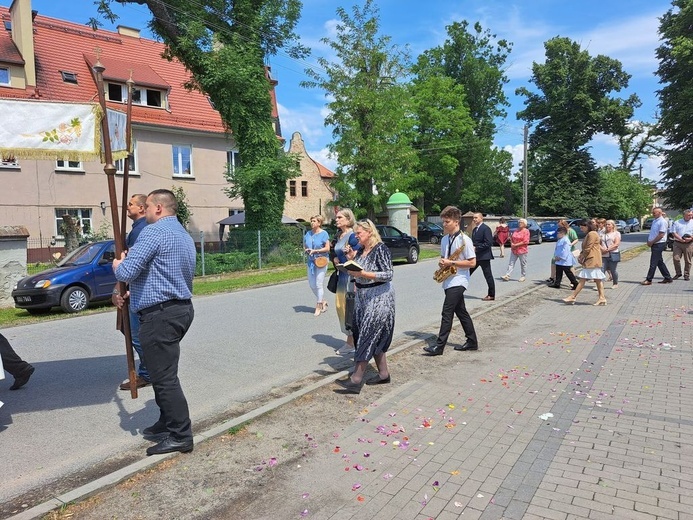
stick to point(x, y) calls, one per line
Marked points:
point(442, 123)
point(622, 195)
point(474, 60)
point(641, 140)
point(676, 75)
point(573, 103)
point(223, 44)
point(369, 112)
point(183, 213)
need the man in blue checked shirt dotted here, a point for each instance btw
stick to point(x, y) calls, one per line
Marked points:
point(160, 269)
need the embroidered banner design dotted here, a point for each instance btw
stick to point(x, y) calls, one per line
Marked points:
point(58, 131)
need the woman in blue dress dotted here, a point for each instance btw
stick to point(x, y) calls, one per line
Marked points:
point(374, 312)
point(344, 242)
point(317, 247)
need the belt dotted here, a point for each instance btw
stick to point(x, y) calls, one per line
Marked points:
point(367, 285)
point(163, 305)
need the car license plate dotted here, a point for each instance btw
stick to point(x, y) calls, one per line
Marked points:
point(24, 299)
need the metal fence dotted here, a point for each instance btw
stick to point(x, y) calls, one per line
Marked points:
point(241, 250)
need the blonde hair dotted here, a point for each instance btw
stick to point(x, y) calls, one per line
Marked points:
point(348, 216)
point(610, 222)
point(318, 218)
point(523, 220)
point(367, 225)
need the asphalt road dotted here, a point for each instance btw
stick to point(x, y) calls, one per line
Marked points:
point(71, 416)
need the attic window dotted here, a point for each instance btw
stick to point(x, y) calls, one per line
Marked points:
point(69, 77)
point(8, 25)
point(140, 96)
point(4, 76)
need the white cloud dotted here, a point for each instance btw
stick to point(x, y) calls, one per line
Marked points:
point(306, 119)
point(518, 152)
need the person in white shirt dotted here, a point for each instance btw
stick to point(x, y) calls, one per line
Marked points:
point(456, 254)
point(683, 244)
point(657, 242)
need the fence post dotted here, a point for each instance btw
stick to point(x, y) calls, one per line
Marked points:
point(259, 250)
point(202, 250)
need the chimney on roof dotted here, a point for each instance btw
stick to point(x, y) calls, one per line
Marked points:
point(128, 31)
point(22, 19)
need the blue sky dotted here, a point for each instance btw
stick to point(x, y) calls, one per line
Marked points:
point(626, 31)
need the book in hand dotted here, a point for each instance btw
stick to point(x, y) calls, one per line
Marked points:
point(351, 266)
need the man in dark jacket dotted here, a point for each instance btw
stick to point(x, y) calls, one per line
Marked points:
point(482, 238)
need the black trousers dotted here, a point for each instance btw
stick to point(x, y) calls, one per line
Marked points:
point(486, 269)
point(568, 271)
point(160, 335)
point(454, 305)
point(656, 261)
point(13, 364)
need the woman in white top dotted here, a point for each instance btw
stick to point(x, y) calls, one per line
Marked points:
point(609, 241)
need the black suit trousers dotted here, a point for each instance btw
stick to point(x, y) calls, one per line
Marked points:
point(454, 305)
point(160, 335)
point(486, 269)
point(13, 364)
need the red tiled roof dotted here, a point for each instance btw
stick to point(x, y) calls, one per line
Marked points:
point(324, 172)
point(8, 50)
point(69, 47)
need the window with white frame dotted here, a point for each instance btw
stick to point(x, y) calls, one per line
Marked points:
point(81, 215)
point(4, 76)
point(140, 96)
point(233, 160)
point(75, 166)
point(120, 163)
point(182, 160)
point(8, 161)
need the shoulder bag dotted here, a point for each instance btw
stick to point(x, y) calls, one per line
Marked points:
point(332, 281)
point(350, 304)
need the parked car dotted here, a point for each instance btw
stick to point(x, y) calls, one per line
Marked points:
point(633, 224)
point(430, 232)
point(534, 230)
point(548, 230)
point(622, 227)
point(401, 245)
point(82, 277)
point(648, 223)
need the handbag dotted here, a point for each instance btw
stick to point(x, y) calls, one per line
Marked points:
point(320, 261)
point(350, 304)
point(332, 282)
point(615, 256)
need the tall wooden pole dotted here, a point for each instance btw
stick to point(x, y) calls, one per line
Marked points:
point(126, 162)
point(109, 169)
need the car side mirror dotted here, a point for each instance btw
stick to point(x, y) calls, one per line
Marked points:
point(107, 258)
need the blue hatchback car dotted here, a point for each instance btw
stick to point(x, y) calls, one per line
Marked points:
point(83, 276)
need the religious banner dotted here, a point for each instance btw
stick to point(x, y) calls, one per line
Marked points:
point(43, 130)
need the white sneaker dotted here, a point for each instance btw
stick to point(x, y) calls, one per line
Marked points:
point(345, 349)
point(522, 279)
point(505, 277)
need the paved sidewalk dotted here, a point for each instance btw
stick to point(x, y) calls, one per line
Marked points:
point(571, 412)
point(578, 412)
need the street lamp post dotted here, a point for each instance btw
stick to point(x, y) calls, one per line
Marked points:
point(524, 171)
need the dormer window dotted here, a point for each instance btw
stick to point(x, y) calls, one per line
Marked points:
point(4, 76)
point(140, 96)
point(69, 77)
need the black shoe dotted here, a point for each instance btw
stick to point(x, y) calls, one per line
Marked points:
point(155, 429)
point(554, 286)
point(379, 381)
point(550, 280)
point(349, 386)
point(169, 445)
point(467, 346)
point(434, 350)
point(23, 378)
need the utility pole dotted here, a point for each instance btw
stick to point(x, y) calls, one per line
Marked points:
point(641, 172)
point(524, 171)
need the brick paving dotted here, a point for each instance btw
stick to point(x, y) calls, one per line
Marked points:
point(577, 412)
